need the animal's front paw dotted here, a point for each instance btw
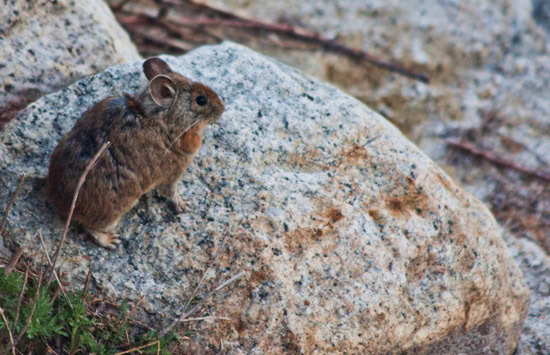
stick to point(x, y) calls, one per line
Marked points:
point(106, 240)
point(178, 204)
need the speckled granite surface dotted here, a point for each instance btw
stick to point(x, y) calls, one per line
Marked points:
point(489, 64)
point(352, 239)
point(46, 45)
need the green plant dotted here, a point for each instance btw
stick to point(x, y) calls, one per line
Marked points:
point(39, 316)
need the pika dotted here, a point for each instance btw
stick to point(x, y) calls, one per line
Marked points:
point(154, 136)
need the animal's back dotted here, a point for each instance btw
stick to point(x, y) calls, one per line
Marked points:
point(111, 184)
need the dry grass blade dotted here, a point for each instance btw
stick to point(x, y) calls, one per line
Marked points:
point(9, 330)
point(142, 347)
point(20, 300)
point(12, 200)
point(204, 318)
point(160, 39)
point(132, 310)
point(29, 319)
point(492, 157)
point(53, 270)
point(55, 295)
point(202, 301)
point(13, 261)
point(87, 283)
point(206, 270)
point(80, 183)
point(51, 351)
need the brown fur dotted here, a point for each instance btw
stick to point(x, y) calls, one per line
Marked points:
point(147, 149)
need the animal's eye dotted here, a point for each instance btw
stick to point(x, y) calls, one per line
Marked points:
point(201, 100)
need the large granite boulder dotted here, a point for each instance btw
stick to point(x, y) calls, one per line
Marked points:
point(352, 239)
point(489, 62)
point(46, 45)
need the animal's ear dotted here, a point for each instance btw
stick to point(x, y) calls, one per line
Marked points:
point(163, 90)
point(155, 66)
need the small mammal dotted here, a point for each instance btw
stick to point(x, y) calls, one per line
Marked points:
point(154, 136)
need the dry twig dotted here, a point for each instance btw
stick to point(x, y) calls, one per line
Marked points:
point(20, 300)
point(87, 283)
point(230, 19)
point(142, 347)
point(55, 295)
point(53, 270)
point(327, 44)
point(13, 261)
point(207, 269)
point(29, 319)
point(12, 200)
point(160, 39)
point(201, 302)
point(492, 157)
point(50, 350)
point(9, 330)
point(132, 310)
point(184, 313)
point(80, 183)
point(316, 38)
point(204, 318)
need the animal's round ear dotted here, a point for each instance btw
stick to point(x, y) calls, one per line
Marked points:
point(155, 66)
point(163, 90)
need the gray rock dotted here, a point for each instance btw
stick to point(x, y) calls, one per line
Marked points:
point(535, 264)
point(489, 62)
point(352, 239)
point(46, 45)
point(541, 13)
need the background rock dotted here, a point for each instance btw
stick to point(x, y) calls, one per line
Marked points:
point(535, 337)
point(352, 239)
point(46, 45)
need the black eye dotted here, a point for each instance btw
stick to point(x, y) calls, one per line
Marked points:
point(201, 100)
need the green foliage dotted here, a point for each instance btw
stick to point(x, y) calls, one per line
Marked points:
point(67, 318)
point(151, 336)
point(43, 323)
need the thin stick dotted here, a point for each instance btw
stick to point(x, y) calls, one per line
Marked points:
point(53, 270)
point(55, 295)
point(20, 300)
point(132, 310)
point(204, 318)
point(12, 200)
point(119, 6)
point(29, 319)
point(201, 302)
point(163, 40)
point(87, 283)
point(207, 269)
point(9, 331)
point(245, 22)
point(295, 32)
point(80, 183)
point(138, 323)
point(470, 148)
point(327, 44)
point(13, 261)
point(142, 347)
point(49, 347)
